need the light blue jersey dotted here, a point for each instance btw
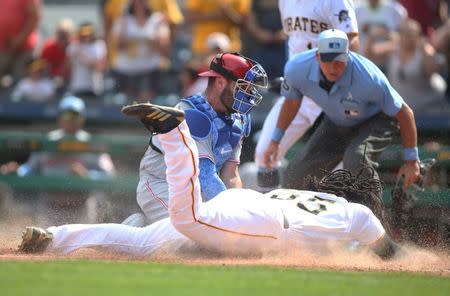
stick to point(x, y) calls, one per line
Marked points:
point(361, 92)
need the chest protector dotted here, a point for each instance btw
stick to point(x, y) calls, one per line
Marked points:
point(226, 130)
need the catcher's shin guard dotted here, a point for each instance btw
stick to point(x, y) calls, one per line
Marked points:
point(157, 119)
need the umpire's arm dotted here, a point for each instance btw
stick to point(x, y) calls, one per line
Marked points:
point(408, 133)
point(288, 111)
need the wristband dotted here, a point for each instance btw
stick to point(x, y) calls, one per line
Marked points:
point(411, 153)
point(278, 134)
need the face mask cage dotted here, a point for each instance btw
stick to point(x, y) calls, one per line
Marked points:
point(257, 76)
point(246, 96)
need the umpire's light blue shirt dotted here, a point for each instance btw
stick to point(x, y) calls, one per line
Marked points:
point(361, 92)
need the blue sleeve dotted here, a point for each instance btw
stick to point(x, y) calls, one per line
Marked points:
point(392, 102)
point(210, 182)
point(288, 87)
point(389, 100)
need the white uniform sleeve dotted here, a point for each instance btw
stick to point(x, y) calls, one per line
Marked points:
point(341, 15)
point(366, 227)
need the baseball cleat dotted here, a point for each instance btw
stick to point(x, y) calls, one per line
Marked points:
point(35, 240)
point(157, 119)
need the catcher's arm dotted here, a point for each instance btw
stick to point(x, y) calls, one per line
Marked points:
point(230, 175)
point(210, 182)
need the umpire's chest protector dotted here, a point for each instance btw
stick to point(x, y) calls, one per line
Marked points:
point(225, 131)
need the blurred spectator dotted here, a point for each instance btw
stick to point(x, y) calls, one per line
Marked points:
point(172, 12)
point(69, 206)
point(19, 20)
point(429, 13)
point(54, 51)
point(113, 9)
point(71, 120)
point(87, 57)
point(217, 42)
point(441, 41)
point(264, 24)
point(192, 83)
point(226, 16)
point(36, 86)
point(143, 40)
point(377, 20)
point(413, 68)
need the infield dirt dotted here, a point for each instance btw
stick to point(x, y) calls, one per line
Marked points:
point(416, 260)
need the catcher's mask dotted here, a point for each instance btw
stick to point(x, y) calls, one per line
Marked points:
point(248, 75)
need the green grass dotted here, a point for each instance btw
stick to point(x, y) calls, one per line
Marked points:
point(141, 278)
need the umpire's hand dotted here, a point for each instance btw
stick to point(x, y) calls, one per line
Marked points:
point(271, 155)
point(411, 171)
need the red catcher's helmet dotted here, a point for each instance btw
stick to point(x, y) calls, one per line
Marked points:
point(235, 66)
point(247, 74)
point(230, 65)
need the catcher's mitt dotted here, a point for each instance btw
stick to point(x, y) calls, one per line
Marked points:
point(404, 201)
point(157, 119)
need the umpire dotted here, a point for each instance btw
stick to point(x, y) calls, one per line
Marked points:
point(362, 113)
